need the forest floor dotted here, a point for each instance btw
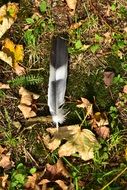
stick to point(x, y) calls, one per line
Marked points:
point(33, 155)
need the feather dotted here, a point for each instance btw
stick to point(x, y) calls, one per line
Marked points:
point(57, 80)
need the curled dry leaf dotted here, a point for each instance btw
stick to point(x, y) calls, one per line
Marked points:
point(108, 77)
point(8, 15)
point(26, 111)
point(77, 141)
point(72, 6)
point(13, 54)
point(31, 182)
point(5, 161)
point(3, 180)
point(87, 105)
point(27, 106)
point(99, 123)
point(4, 86)
point(56, 173)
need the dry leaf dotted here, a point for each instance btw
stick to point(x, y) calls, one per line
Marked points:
point(108, 37)
point(4, 86)
point(99, 123)
point(2, 149)
point(125, 89)
point(3, 180)
point(31, 182)
point(87, 105)
point(5, 161)
point(103, 132)
point(26, 111)
point(24, 92)
point(72, 6)
point(75, 25)
point(77, 141)
point(55, 173)
point(27, 106)
point(8, 15)
point(108, 77)
point(13, 55)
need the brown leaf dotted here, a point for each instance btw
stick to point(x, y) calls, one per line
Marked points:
point(103, 132)
point(5, 161)
point(108, 77)
point(2, 150)
point(3, 180)
point(99, 123)
point(31, 182)
point(77, 141)
point(55, 173)
point(27, 106)
point(26, 111)
point(75, 25)
point(72, 6)
point(125, 89)
point(4, 86)
point(87, 105)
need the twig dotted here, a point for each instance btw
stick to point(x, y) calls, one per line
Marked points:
point(114, 179)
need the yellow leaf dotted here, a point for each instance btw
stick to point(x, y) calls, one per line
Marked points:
point(13, 54)
point(19, 53)
point(8, 14)
point(77, 141)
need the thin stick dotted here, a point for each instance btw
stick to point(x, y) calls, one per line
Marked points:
point(114, 179)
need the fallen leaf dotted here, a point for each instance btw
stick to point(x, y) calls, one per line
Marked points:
point(12, 54)
point(4, 86)
point(87, 105)
point(99, 123)
point(3, 180)
point(103, 132)
point(24, 92)
point(31, 182)
point(108, 77)
point(56, 173)
point(26, 111)
point(8, 15)
point(5, 161)
point(72, 6)
point(125, 89)
point(75, 25)
point(108, 37)
point(77, 141)
point(2, 149)
point(27, 106)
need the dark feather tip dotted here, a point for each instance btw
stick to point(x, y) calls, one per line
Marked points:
point(59, 52)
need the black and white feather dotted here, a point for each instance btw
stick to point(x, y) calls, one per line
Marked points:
point(57, 80)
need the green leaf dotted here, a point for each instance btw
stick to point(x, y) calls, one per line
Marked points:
point(94, 48)
point(20, 178)
point(113, 7)
point(43, 6)
point(78, 44)
point(98, 38)
point(29, 20)
point(33, 170)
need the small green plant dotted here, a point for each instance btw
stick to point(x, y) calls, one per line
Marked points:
point(26, 80)
point(18, 177)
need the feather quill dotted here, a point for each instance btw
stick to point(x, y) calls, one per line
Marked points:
point(57, 80)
